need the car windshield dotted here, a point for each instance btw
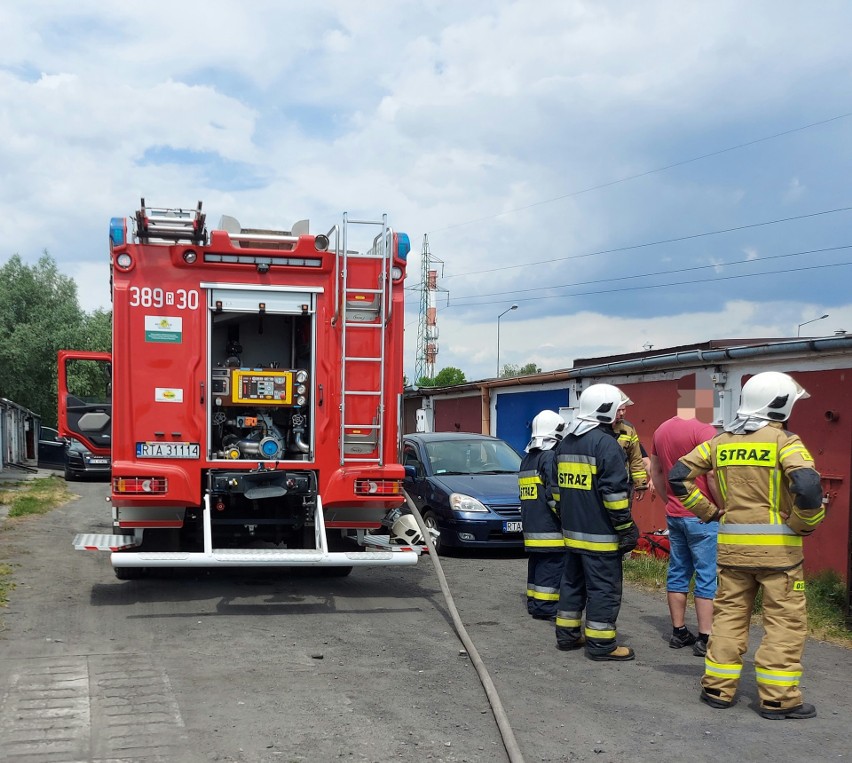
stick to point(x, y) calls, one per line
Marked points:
point(472, 457)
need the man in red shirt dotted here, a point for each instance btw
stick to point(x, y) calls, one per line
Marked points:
point(693, 542)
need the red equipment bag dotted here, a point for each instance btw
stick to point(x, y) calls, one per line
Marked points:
point(654, 544)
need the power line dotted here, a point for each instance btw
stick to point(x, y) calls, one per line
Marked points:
point(662, 285)
point(667, 272)
point(630, 247)
point(647, 172)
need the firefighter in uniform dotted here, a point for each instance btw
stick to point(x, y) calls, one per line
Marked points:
point(771, 498)
point(540, 516)
point(628, 439)
point(597, 526)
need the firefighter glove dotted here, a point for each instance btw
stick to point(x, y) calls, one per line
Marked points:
point(628, 539)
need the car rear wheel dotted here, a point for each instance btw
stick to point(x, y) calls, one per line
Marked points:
point(431, 522)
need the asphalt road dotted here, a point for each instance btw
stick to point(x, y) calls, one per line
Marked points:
point(264, 665)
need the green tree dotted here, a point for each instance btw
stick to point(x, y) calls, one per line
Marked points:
point(96, 333)
point(510, 370)
point(39, 315)
point(446, 377)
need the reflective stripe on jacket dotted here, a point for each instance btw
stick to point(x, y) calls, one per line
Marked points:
point(542, 528)
point(593, 491)
point(770, 492)
point(628, 439)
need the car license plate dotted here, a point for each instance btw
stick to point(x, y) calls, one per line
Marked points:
point(167, 450)
point(512, 527)
point(99, 461)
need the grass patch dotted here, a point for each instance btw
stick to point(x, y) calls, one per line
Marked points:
point(646, 571)
point(32, 497)
point(825, 593)
point(826, 603)
point(6, 584)
point(29, 498)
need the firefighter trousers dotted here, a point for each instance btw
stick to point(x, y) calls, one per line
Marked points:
point(544, 571)
point(778, 660)
point(590, 582)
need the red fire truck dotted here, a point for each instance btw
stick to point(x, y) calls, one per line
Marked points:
point(254, 390)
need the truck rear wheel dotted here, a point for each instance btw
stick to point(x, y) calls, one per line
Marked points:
point(130, 573)
point(336, 572)
point(337, 542)
point(154, 539)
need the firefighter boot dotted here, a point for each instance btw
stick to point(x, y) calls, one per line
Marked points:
point(713, 698)
point(804, 710)
point(619, 654)
point(568, 646)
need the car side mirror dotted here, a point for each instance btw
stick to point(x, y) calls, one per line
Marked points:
point(410, 472)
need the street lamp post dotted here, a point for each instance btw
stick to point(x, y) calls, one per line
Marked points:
point(812, 320)
point(507, 310)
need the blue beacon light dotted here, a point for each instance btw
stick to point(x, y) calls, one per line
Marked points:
point(403, 246)
point(117, 231)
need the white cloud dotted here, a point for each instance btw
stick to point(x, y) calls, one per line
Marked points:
point(502, 129)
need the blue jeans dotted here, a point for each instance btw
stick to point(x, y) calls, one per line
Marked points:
point(693, 551)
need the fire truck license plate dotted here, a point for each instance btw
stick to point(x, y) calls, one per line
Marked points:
point(512, 527)
point(167, 450)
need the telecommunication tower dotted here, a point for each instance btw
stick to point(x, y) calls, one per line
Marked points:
point(427, 325)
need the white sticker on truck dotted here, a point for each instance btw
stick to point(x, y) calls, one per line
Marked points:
point(163, 328)
point(168, 395)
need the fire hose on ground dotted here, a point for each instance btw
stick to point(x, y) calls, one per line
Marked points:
point(508, 736)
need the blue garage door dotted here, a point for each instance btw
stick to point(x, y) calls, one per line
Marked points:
point(516, 410)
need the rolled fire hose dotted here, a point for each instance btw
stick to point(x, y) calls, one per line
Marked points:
point(509, 741)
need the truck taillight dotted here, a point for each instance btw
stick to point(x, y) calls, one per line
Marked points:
point(378, 487)
point(146, 485)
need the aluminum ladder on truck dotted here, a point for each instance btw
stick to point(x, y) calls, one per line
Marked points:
point(365, 303)
point(170, 224)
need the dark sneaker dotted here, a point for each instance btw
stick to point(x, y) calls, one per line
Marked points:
point(567, 647)
point(699, 648)
point(680, 640)
point(792, 713)
point(619, 654)
point(715, 702)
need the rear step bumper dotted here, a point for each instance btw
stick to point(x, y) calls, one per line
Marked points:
point(249, 557)
point(124, 555)
point(241, 557)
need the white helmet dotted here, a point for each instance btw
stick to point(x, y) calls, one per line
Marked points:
point(770, 395)
point(547, 430)
point(405, 530)
point(601, 402)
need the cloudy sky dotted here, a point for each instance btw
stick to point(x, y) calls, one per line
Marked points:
point(629, 174)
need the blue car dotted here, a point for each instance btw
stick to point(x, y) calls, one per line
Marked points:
point(466, 486)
